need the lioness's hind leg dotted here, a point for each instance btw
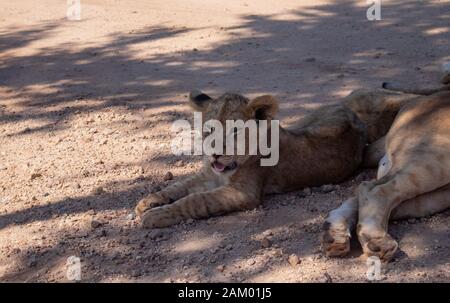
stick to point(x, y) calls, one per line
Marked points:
point(424, 205)
point(376, 200)
point(337, 228)
point(372, 226)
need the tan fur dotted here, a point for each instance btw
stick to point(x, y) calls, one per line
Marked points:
point(324, 147)
point(416, 182)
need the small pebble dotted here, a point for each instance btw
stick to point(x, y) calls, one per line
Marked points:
point(265, 243)
point(220, 268)
point(35, 176)
point(446, 79)
point(294, 260)
point(98, 191)
point(155, 233)
point(168, 176)
point(95, 224)
point(327, 188)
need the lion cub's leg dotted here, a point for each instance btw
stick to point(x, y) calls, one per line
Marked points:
point(177, 190)
point(220, 201)
point(337, 227)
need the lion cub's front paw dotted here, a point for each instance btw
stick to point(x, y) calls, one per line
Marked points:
point(335, 240)
point(151, 201)
point(159, 217)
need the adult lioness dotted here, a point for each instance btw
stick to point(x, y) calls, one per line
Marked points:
point(413, 180)
point(324, 147)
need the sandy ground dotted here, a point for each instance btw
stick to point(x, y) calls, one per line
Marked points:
point(85, 114)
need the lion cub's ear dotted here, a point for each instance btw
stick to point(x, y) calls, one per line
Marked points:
point(198, 100)
point(263, 108)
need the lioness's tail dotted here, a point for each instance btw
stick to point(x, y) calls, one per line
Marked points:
point(415, 91)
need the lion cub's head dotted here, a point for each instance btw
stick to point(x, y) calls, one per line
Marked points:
point(227, 121)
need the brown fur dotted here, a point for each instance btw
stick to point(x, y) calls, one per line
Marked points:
point(324, 147)
point(415, 183)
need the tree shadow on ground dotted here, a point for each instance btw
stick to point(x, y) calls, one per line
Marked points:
point(275, 50)
point(51, 85)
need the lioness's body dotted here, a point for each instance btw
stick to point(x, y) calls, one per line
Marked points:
point(326, 146)
point(413, 180)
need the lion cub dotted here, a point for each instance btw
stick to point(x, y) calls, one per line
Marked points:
point(325, 147)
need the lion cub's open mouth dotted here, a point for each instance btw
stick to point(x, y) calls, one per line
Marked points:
point(219, 167)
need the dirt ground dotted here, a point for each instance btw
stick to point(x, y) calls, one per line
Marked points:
point(85, 114)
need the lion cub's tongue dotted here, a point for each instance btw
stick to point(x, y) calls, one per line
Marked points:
point(219, 166)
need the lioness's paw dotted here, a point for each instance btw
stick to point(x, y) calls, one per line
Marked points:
point(151, 201)
point(383, 247)
point(159, 217)
point(335, 240)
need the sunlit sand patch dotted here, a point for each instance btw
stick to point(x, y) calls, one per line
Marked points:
point(437, 30)
point(200, 243)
